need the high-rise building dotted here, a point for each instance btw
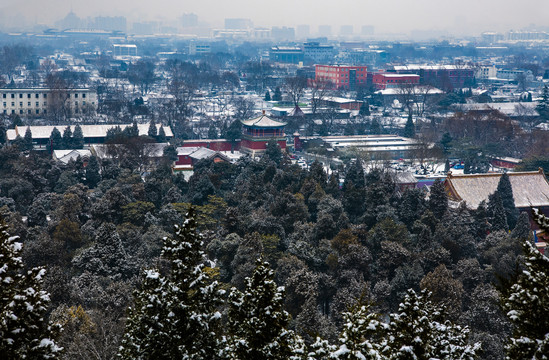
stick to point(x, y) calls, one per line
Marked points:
point(282, 33)
point(110, 23)
point(342, 76)
point(303, 31)
point(368, 30)
point(189, 20)
point(324, 30)
point(234, 23)
point(346, 30)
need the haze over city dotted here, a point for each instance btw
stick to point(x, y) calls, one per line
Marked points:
point(274, 180)
point(397, 16)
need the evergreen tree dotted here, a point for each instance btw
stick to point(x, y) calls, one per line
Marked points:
point(496, 212)
point(418, 331)
point(438, 199)
point(176, 317)
point(277, 94)
point(526, 304)
point(364, 109)
point(161, 135)
point(355, 174)
point(505, 190)
point(409, 128)
point(78, 138)
point(273, 152)
point(321, 350)
point(375, 127)
point(67, 138)
point(360, 326)
point(27, 139)
point(446, 142)
point(3, 129)
point(212, 132)
point(93, 177)
point(114, 134)
point(16, 121)
point(481, 225)
point(153, 132)
point(257, 322)
point(522, 228)
point(56, 141)
point(24, 332)
point(267, 96)
point(131, 131)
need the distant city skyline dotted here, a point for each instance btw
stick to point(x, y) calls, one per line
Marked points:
point(467, 17)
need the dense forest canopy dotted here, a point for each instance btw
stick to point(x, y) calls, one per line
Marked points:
point(331, 257)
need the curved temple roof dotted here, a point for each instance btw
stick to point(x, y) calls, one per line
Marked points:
point(263, 121)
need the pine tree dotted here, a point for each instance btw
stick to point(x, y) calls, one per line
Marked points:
point(418, 331)
point(277, 94)
point(355, 174)
point(161, 135)
point(24, 332)
point(27, 139)
point(438, 199)
point(527, 303)
point(267, 96)
point(78, 138)
point(409, 128)
point(257, 323)
point(375, 127)
point(212, 132)
point(481, 225)
point(153, 132)
point(273, 152)
point(56, 141)
point(446, 142)
point(505, 190)
point(67, 138)
point(131, 131)
point(360, 326)
point(320, 350)
point(522, 228)
point(93, 176)
point(176, 317)
point(496, 212)
point(364, 109)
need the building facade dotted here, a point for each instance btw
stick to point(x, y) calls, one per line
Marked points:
point(445, 77)
point(286, 54)
point(342, 76)
point(39, 102)
point(384, 81)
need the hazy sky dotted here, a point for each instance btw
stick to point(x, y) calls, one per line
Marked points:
point(386, 16)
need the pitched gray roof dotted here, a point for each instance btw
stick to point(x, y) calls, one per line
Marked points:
point(529, 188)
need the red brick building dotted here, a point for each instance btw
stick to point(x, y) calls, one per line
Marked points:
point(384, 81)
point(342, 76)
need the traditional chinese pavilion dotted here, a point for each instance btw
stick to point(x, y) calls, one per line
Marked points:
point(257, 132)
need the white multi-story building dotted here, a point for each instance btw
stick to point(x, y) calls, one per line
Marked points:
point(36, 102)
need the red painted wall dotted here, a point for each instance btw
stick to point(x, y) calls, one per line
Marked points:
point(381, 81)
point(216, 145)
point(259, 145)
